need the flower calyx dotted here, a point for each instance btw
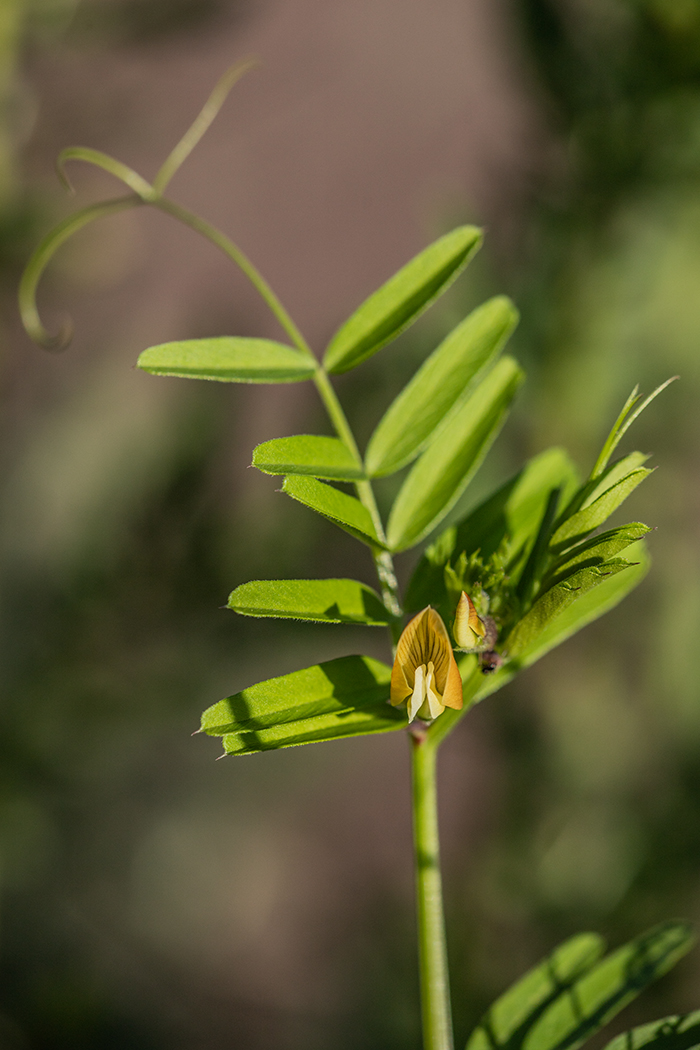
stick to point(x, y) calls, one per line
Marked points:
point(425, 672)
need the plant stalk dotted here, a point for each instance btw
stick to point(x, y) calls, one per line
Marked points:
point(436, 1011)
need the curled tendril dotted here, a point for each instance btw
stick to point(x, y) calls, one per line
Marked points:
point(115, 167)
point(41, 258)
point(142, 193)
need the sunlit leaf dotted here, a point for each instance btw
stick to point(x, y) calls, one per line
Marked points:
point(412, 418)
point(601, 993)
point(587, 607)
point(328, 601)
point(516, 1010)
point(557, 1008)
point(398, 302)
point(444, 470)
point(670, 1033)
point(623, 422)
point(344, 697)
point(319, 457)
point(513, 512)
point(590, 517)
point(343, 510)
point(596, 550)
point(553, 602)
point(228, 359)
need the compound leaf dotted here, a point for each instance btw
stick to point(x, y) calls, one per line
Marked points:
point(326, 601)
point(411, 419)
point(319, 457)
point(228, 359)
point(339, 698)
point(398, 302)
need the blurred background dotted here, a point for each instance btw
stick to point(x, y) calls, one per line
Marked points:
point(150, 896)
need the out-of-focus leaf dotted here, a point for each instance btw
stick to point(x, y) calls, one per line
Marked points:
point(327, 601)
point(320, 457)
point(398, 302)
point(564, 1012)
point(443, 471)
point(514, 512)
point(601, 993)
point(587, 607)
point(344, 697)
point(590, 517)
point(411, 419)
point(670, 1033)
point(228, 359)
point(596, 550)
point(516, 1010)
point(341, 509)
point(554, 601)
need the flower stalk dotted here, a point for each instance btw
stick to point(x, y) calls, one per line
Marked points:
point(436, 1011)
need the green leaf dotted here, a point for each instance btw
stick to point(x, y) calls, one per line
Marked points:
point(228, 359)
point(601, 993)
point(557, 1008)
point(411, 419)
point(670, 1033)
point(338, 507)
point(344, 697)
point(596, 550)
point(514, 512)
point(327, 601)
point(42, 255)
point(320, 457)
point(592, 515)
point(554, 601)
point(400, 301)
point(510, 1017)
point(587, 607)
point(442, 473)
point(622, 424)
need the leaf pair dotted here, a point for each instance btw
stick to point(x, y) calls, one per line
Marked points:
point(338, 698)
point(574, 992)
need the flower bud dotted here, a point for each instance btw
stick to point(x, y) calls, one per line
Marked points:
point(468, 629)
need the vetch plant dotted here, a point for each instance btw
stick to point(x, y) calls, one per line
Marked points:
point(492, 593)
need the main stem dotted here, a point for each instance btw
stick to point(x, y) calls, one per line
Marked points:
point(432, 948)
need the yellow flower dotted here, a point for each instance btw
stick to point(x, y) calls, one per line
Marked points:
point(425, 671)
point(468, 629)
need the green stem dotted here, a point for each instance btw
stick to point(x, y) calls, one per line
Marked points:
point(382, 559)
point(434, 978)
point(241, 260)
